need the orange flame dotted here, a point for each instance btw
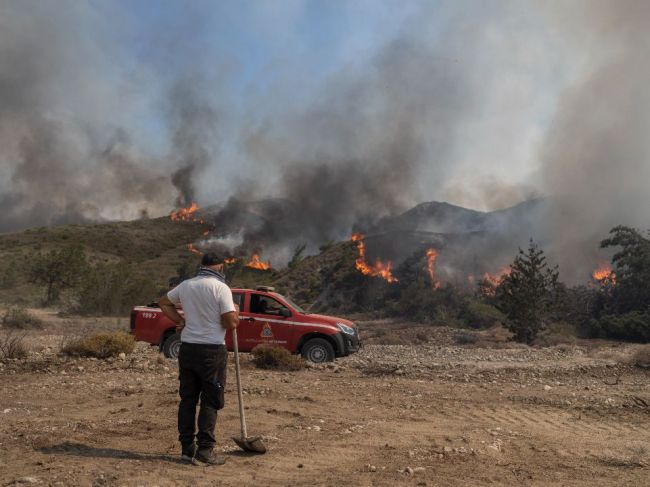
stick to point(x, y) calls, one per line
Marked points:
point(491, 281)
point(184, 214)
point(191, 248)
point(432, 255)
point(604, 274)
point(232, 260)
point(256, 263)
point(379, 269)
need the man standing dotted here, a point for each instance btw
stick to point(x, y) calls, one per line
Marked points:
point(209, 312)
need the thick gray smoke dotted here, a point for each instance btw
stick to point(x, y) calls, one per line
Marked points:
point(194, 139)
point(73, 144)
point(478, 103)
point(596, 157)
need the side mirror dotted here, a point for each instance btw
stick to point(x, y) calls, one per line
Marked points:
point(285, 312)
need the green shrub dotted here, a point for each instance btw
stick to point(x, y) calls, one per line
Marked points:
point(482, 315)
point(20, 318)
point(276, 358)
point(633, 326)
point(111, 289)
point(557, 333)
point(421, 303)
point(100, 345)
point(13, 347)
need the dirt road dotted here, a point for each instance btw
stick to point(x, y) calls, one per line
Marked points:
point(393, 414)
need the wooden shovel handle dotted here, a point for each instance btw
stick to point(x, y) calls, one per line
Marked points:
point(242, 419)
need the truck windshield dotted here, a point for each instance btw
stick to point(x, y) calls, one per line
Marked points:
point(291, 303)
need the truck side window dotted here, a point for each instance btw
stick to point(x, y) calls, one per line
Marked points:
point(238, 299)
point(265, 305)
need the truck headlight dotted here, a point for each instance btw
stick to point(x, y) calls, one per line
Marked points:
point(345, 328)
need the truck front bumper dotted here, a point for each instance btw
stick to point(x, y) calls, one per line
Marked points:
point(347, 344)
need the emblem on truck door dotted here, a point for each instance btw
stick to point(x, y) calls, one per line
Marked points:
point(267, 332)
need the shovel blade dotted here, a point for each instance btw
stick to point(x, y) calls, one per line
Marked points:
point(252, 444)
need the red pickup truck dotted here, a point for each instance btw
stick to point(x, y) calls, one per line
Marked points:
point(265, 317)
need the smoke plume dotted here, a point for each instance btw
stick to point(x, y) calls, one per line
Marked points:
point(596, 156)
point(482, 104)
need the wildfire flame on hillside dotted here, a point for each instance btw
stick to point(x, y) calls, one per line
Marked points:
point(432, 255)
point(193, 249)
point(489, 282)
point(604, 274)
point(185, 214)
point(495, 279)
point(256, 263)
point(379, 269)
point(231, 260)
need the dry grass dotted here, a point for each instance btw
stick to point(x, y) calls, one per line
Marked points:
point(13, 346)
point(641, 357)
point(20, 319)
point(276, 358)
point(100, 345)
point(466, 338)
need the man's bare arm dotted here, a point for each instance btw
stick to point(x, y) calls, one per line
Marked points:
point(230, 320)
point(169, 310)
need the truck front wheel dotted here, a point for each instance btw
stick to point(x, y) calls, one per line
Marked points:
point(318, 350)
point(172, 346)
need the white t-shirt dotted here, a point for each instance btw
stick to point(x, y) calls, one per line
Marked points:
point(204, 300)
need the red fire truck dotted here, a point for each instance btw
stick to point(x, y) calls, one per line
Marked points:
point(266, 317)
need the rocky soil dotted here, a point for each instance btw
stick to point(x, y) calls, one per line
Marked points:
point(414, 413)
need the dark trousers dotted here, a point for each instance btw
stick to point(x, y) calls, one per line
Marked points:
point(202, 375)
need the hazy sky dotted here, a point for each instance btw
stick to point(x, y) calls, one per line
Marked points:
point(111, 108)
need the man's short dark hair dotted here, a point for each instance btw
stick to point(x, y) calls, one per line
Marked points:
point(213, 258)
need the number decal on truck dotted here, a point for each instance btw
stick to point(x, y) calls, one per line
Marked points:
point(148, 315)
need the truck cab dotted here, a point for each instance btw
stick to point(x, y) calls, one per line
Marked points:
point(266, 318)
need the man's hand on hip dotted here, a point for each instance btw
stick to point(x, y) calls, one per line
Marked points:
point(180, 325)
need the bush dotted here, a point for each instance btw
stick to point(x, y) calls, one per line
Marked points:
point(421, 303)
point(558, 333)
point(482, 315)
point(13, 346)
point(634, 326)
point(276, 358)
point(20, 318)
point(100, 345)
point(465, 339)
point(111, 289)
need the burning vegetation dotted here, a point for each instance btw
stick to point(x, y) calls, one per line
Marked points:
point(379, 269)
point(257, 263)
point(604, 275)
point(186, 214)
point(432, 255)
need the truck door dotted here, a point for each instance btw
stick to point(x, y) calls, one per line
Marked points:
point(267, 323)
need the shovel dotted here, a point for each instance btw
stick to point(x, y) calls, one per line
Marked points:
point(247, 443)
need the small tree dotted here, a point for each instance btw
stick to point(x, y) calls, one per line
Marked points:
point(632, 260)
point(297, 255)
point(527, 293)
point(112, 289)
point(58, 270)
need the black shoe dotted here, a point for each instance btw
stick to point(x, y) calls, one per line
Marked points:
point(188, 453)
point(208, 457)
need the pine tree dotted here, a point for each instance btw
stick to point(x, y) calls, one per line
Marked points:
point(58, 270)
point(527, 293)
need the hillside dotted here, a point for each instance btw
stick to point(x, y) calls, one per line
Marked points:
point(158, 247)
point(469, 242)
